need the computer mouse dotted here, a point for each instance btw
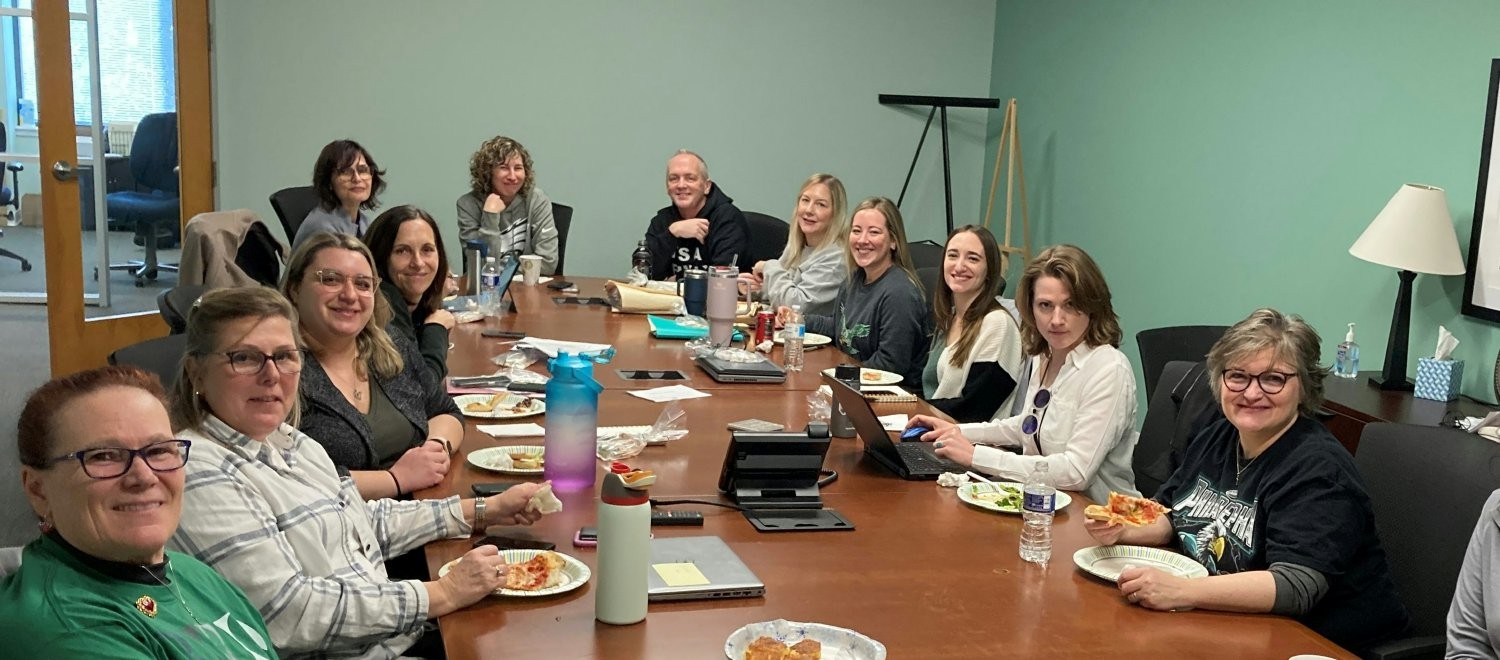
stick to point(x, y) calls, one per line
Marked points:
point(914, 433)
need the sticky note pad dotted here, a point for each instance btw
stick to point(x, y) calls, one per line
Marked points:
point(681, 574)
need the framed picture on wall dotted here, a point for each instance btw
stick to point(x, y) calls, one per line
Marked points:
point(1482, 282)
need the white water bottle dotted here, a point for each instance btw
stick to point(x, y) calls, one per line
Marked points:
point(1038, 502)
point(793, 333)
point(489, 287)
point(624, 546)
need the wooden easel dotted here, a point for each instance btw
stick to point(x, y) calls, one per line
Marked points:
point(1015, 174)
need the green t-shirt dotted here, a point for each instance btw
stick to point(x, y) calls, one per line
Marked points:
point(56, 606)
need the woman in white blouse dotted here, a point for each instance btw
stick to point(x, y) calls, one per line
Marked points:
point(264, 506)
point(812, 268)
point(1080, 403)
point(975, 357)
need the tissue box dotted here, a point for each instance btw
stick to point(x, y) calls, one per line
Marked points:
point(1439, 379)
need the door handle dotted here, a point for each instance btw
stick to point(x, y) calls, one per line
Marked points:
point(63, 171)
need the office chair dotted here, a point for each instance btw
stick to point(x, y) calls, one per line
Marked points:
point(768, 237)
point(1404, 468)
point(930, 277)
point(11, 197)
point(176, 302)
point(292, 206)
point(562, 217)
point(161, 356)
point(925, 254)
point(1181, 405)
point(1158, 346)
point(153, 163)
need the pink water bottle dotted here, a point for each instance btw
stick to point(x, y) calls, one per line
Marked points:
point(572, 424)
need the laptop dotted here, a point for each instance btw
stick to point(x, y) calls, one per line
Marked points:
point(726, 576)
point(917, 461)
point(724, 371)
point(509, 265)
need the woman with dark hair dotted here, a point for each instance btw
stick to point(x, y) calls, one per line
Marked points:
point(347, 181)
point(976, 348)
point(104, 473)
point(1269, 501)
point(1081, 392)
point(413, 270)
point(392, 428)
point(504, 208)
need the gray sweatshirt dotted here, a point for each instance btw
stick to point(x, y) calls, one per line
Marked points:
point(883, 324)
point(1474, 616)
point(525, 225)
point(813, 283)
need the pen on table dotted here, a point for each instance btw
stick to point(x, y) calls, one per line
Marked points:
point(977, 477)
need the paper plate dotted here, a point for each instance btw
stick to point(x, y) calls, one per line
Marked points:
point(490, 458)
point(838, 643)
point(503, 409)
point(576, 571)
point(971, 494)
point(872, 376)
point(809, 339)
point(1106, 561)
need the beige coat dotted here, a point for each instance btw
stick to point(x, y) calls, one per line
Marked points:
point(210, 243)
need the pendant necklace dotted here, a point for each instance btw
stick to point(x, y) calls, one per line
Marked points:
point(175, 592)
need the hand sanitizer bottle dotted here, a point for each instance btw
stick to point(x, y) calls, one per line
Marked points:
point(1346, 362)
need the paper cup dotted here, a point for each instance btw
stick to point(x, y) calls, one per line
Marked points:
point(531, 269)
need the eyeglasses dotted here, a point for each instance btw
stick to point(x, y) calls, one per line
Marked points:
point(334, 280)
point(362, 171)
point(249, 362)
point(1032, 424)
point(111, 462)
point(1271, 382)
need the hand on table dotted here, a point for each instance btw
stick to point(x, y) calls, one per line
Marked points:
point(423, 466)
point(690, 228)
point(442, 317)
point(951, 444)
point(509, 507)
point(937, 425)
point(1154, 589)
point(477, 574)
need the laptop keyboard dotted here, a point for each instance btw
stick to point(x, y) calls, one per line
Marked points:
point(919, 459)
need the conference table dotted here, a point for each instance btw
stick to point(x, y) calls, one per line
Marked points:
point(923, 573)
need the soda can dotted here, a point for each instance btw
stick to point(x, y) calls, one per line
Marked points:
point(765, 326)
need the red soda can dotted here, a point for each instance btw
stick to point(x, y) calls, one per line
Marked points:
point(765, 326)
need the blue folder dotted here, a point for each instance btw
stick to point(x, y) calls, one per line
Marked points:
point(665, 328)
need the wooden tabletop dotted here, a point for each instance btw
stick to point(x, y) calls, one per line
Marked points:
point(923, 573)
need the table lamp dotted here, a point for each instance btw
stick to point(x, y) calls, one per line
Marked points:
point(1413, 234)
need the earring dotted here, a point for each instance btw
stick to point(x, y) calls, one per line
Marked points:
point(45, 526)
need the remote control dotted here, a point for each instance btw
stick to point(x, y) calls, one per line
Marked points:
point(685, 518)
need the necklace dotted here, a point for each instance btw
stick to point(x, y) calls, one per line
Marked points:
point(175, 592)
point(1240, 464)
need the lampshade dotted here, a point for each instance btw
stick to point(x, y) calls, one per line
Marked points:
point(1413, 232)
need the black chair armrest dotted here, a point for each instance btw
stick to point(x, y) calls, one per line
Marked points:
point(14, 166)
point(1412, 648)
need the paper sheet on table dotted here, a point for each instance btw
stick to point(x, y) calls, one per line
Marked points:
point(668, 393)
point(522, 278)
point(896, 422)
point(512, 430)
point(552, 346)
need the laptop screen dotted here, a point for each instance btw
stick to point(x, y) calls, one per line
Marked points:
point(866, 424)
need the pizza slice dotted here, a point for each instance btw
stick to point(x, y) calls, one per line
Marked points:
point(1127, 510)
point(539, 572)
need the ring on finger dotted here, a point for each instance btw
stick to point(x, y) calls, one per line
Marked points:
point(499, 571)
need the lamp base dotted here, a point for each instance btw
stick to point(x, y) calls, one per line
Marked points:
point(1393, 385)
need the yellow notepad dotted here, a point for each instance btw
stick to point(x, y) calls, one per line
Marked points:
point(680, 574)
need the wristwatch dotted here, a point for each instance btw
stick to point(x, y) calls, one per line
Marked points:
point(447, 446)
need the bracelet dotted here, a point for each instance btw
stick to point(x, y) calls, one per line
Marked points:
point(479, 515)
point(395, 481)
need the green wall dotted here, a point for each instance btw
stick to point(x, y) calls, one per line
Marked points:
point(1215, 157)
point(601, 93)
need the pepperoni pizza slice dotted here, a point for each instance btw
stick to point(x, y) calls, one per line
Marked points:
point(539, 572)
point(1127, 510)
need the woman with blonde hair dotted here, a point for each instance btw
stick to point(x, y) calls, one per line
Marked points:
point(811, 269)
point(392, 428)
point(504, 208)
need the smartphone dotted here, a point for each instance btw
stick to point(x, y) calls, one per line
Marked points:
point(586, 537)
point(559, 285)
point(513, 543)
point(486, 490)
point(504, 334)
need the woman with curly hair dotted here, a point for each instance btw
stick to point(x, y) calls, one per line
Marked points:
point(504, 208)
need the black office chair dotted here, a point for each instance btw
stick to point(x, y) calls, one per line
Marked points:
point(161, 356)
point(768, 236)
point(1158, 346)
point(925, 254)
point(11, 197)
point(175, 304)
point(156, 212)
point(562, 217)
point(931, 277)
point(1180, 406)
point(1428, 485)
point(292, 206)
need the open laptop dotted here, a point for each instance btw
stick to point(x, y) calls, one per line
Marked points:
point(916, 461)
point(509, 266)
point(724, 371)
point(726, 575)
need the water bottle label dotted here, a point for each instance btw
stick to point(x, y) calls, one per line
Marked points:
point(1037, 503)
point(491, 280)
point(799, 331)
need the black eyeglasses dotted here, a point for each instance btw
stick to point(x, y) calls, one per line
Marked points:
point(111, 462)
point(334, 280)
point(249, 362)
point(1271, 382)
point(1032, 425)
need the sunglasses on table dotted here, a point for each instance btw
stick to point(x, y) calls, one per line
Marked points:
point(111, 462)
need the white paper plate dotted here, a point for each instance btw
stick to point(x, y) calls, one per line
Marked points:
point(872, 376)
point(838, 643)
point(1106, 561)
point(489, 458)
point(576, 571)
point(502, 410)
point(809, 339)
point(970, 492)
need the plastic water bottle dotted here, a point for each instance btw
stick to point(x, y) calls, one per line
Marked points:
point(624, 547)
point(1037, 506)
point(640, 263)
point(489, 287)
point(572, 433)
point(793, 333)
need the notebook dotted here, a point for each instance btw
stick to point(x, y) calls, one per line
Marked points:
point(696, 568)
point(916, 461)
point(666, 328)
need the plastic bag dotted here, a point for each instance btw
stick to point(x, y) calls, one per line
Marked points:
point(670, 425)
point(819, 406)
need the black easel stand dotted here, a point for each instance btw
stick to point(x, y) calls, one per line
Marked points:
point(938, 103)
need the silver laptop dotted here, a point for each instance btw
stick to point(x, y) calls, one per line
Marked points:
point(728, 577)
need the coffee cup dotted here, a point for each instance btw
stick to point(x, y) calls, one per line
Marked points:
point(531, 269)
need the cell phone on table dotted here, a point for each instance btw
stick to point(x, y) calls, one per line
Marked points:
point(503, 334)
point(586, 537)
point(486, 490)
point(559, 285)
point(513, 543)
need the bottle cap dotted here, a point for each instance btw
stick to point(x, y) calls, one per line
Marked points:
point(618, 467)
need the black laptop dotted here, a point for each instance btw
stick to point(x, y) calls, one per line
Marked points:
point(725, 371)
point(911, 460)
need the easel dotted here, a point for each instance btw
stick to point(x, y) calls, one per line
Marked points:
point(1014, 173)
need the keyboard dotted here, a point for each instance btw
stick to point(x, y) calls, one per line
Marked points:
point(919, 458)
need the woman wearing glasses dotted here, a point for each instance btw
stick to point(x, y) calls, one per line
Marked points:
point(504, 208)
point(347, 180)
point(976, 351)
point(1081, 417)
point(413, 270)
point(391, 427)
point(1269, 502)
point(104, 473)
point(268, 509)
